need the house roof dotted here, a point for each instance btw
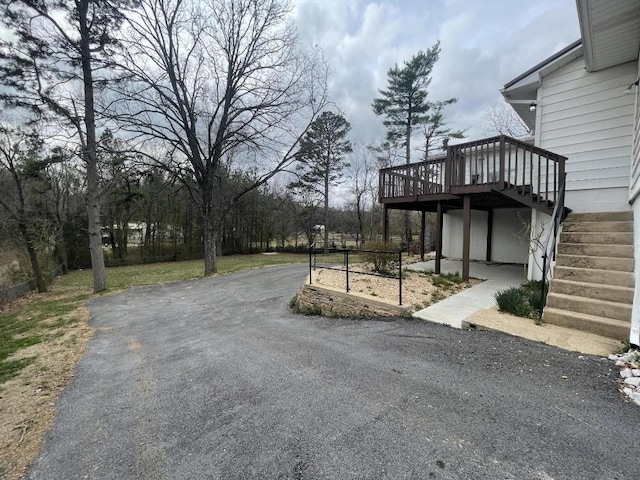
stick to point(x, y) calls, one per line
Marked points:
point(542, 64)
point(610, 32)
point(610, 35)
point(522, 90)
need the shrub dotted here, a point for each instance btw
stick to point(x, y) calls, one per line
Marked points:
point(377, 254)
point(533, 289)
point(514, 300)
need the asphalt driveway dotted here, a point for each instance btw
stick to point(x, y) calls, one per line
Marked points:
point(217, 379)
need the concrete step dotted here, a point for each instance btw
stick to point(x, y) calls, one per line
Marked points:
point(612, 293)
point(607, 327)
point(597, 226)
point(595, 250)
point(623, 238)
point(591, 275)
point(590, 306)
point(600, 217)
point(602, 263)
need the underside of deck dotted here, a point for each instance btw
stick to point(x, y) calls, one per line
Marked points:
point(483, 197)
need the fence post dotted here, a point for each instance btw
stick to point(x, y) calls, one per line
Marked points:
point(400, 277)
point(346, 254)
point(310, 269)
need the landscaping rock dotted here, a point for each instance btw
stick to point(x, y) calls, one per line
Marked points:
point(630, 356)
point(630, 374)
point(635, 397)
point(635, 381)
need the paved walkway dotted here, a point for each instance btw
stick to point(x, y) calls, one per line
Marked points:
point(455, 309)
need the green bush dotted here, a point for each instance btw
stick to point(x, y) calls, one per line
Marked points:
point(377, 255)
point(516, 301)
point(533, 289)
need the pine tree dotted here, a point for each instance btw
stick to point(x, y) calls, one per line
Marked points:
point(321, 159)
point(56, 48)
point(404, 103)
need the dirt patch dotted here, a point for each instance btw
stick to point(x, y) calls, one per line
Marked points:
point(419, 290)
point(26, 401)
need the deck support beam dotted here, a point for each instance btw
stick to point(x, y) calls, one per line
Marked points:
point(489, 234)
point(439, 215)
point(466, 236)
point(422, 225)
point(385, 223)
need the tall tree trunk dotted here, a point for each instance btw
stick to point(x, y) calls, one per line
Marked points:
point(326, 211)
point(360, 215)
point(33, 256)
point(90, 157)
point(210, 231)
point(407, 213)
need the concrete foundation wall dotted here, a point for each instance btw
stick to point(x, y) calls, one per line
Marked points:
point(452, 235)
point(508, 241)
point(598, 200)
point(540, 224)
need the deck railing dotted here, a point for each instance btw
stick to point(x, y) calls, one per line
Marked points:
point(499, 162)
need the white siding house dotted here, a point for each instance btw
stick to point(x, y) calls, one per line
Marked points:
point(587, 117)
point(586, 108)
point(634, 198)
point(582, 105)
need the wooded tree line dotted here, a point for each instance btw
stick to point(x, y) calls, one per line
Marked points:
point(44, 211)
point(173, 118)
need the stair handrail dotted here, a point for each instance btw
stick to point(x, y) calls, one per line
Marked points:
point(557, 217)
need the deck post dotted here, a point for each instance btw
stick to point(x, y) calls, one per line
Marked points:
point(448, 170)
point(439, 215)
point(502, 163)
point(466, 236)
point(385, 224)
point(422, 225)
point(489, 234)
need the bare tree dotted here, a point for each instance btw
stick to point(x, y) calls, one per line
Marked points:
point(18, 150)
point(503, 120)
point(363, 174)
point(50, 63)
point(224, 86)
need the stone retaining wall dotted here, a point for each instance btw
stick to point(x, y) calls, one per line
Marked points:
point(335, 303)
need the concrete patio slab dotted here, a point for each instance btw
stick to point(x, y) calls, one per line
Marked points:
point(453, 311)
point(475, 307)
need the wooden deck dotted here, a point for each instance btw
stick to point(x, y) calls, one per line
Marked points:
point(488, 174)
point(497, 172)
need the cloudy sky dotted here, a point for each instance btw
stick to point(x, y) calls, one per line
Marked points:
point(484, 44)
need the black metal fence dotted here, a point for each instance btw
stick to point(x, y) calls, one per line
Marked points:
point(21, 289)
point(315, 252)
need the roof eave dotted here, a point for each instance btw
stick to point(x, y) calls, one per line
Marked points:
point(586, 32)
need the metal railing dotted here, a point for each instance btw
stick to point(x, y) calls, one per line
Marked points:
point(551, 242)
point(314, 252)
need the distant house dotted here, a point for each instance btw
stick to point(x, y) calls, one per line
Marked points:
point(582, 106)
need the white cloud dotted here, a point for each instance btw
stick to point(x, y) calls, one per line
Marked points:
point(484, 45)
